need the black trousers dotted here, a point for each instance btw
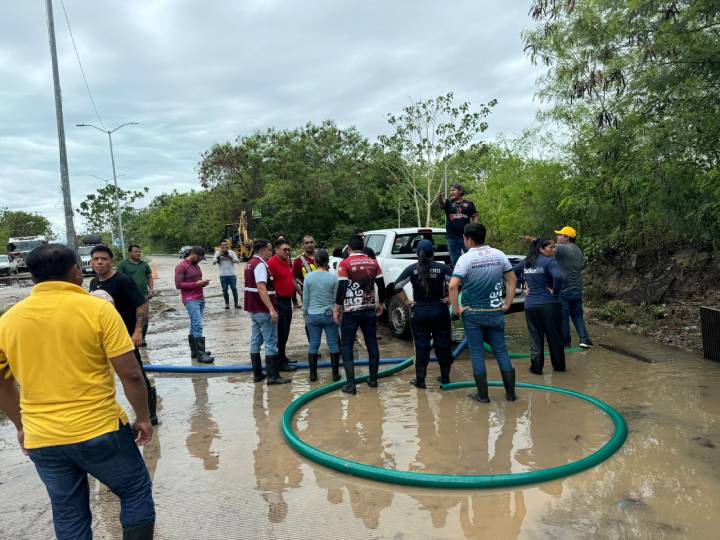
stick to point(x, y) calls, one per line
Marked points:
point(430, 322)
point(142, 368)
point(285, 314)
point(545, 321)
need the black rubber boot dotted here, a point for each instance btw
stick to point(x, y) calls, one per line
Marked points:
point(374, 366)
point(444, 377)
point(335, 366)
point(535, 369)
point(420, 372)
point(482, 389)
point(141, 532)
point(203, 356)
point(273, 369)
point(256, 362)
point(508, 378)
point(349, 366)
point(152, 405)
point(193, 347)
point(285, 364)
point(312, 360)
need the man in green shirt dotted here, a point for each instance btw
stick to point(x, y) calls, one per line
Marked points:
point(141, 274)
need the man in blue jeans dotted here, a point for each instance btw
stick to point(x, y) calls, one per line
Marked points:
point(260, 302)
point(71, 424)
point(481, 272)
point(189, 281)
point(570, 258)
point(458, 213)
point(226, 259)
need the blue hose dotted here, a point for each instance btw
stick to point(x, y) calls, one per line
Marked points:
point(245, 368)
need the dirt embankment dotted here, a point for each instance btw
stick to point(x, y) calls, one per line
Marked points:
point(655, 293)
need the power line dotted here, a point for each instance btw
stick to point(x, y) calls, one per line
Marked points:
point(77, 55)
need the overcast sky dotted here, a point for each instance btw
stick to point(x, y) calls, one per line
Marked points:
point(195, 73)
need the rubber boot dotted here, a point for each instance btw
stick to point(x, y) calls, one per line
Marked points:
point(482, 389)
point(193, 347)
point(374, 366)
point(508, 378)
point(202, 355)
point(535, 368)
point(444, 377)
point(141, 532)
point(349, 366)
point(273, 369)
point(420, 372)
point(285, 364)
point(312, 360)
point(256, 362)
point(152, 405)
point(335, 366)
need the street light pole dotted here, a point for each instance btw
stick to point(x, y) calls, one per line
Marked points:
point(117, 200)
point(112, 159)
point(64, 174)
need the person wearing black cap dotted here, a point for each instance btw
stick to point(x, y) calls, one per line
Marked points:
point(189, 280)
point(459, 212)
point(429, 314)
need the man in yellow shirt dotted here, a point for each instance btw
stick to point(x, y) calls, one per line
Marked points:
point(62, 347)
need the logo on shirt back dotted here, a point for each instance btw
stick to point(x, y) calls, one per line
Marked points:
point(496, 296)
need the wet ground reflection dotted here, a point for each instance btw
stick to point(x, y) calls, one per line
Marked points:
point(221, 468)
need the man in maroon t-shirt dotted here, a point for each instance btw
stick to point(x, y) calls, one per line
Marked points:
point(188, 279)
point(286, 287)
point(357, 277)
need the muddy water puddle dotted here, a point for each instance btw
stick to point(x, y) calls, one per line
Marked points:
point(221, 468)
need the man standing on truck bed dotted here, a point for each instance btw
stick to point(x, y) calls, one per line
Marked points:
point(459, 212)
point(357, 277)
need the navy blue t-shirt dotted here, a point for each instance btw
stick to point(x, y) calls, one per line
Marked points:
point(544, 275)
point(458, 214)
point(439, 276)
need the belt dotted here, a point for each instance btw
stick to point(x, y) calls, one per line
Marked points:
point(483, 310)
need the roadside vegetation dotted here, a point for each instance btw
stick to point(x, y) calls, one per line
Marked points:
point(627, 151)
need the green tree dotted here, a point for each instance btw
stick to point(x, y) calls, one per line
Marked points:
point(317, 179)
point(636, 83)
point(21, 223)
point(99, 209)
point(427, 134)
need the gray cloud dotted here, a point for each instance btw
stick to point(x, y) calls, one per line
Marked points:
point(198, 73)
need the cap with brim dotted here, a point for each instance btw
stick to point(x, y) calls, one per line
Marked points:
point(567, 231)
point(426, 246)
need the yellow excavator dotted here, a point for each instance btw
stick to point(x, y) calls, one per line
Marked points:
point(238, 237)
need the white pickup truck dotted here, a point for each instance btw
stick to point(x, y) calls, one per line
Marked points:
point(395, 251)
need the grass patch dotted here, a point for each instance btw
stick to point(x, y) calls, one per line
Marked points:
point(619, 312)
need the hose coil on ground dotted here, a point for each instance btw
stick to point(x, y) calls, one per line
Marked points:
point(447, 481)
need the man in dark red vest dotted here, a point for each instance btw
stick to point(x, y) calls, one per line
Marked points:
point(260, 301)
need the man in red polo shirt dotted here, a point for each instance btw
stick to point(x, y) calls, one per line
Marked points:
point(286, 287)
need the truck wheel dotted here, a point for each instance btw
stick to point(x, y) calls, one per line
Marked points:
point(398, 318)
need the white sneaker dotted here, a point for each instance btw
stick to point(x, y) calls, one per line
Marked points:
point(586, 345)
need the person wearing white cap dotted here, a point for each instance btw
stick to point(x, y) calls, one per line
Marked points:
point(570, 258)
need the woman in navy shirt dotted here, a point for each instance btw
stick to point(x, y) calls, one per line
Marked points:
point(429, 314)
point(543, 311)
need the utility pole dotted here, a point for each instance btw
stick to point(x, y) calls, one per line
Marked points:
point(64, 175)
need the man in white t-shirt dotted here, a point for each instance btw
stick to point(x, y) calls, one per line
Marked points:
point(481, 273)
